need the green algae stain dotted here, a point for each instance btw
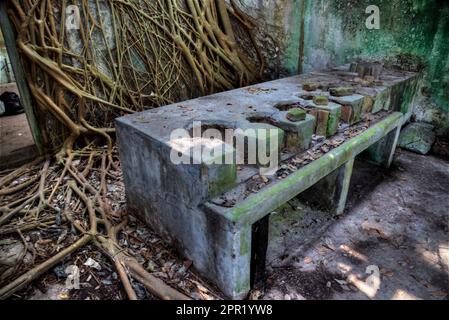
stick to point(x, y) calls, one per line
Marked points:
point(224, 179)
point(336, 34)
point(293, 49)
point(311, 173)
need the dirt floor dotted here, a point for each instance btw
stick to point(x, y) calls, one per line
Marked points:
point(16, 142)
point(392, 243)
point(10, 87)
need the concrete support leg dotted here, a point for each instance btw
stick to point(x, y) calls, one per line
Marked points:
point(382, 152)
point(238, 255)
point(331, 192)
point(231, 252)
point(342, 185)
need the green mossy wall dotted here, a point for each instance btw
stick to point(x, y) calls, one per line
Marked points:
point(320, 33)
point(335, 33)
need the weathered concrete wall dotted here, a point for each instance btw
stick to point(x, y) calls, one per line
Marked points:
point(6, 75)
point(323, 33)
point(279, 25)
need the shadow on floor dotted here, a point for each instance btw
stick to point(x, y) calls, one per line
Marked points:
point(396, 222)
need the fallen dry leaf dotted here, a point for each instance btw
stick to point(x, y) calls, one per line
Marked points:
point(386, 272)
point(44, 242)
point(439, 294)
point(308, 260)
point(374, 229)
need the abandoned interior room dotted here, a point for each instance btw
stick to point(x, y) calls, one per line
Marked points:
point(224, 150)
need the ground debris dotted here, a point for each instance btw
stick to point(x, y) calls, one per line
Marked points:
point(43, 233)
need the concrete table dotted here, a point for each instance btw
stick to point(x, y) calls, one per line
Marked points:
point(185, 203)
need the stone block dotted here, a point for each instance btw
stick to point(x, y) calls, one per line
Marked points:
point(346, 114)
point(417, 137)
point(310, 86)
point(354, 103)
point(297, 135)
point(367, 69)
point(382, 101)
point(321, 100)
point(296, 114)
point(334, 115)
point(341, 91)
point(367, 105)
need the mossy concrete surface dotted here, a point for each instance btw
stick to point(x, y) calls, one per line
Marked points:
point(417, 137)
point(256, 206)
point(296, 114)
point(313, 35)
point(411, 30)
point(188, 203)
point(341, 91)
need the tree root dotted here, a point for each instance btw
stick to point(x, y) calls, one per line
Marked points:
point(155, 52)
point(25, 279)
point(73, 184)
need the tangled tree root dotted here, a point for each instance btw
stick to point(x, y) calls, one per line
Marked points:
point(123, 56)
point(91, 205)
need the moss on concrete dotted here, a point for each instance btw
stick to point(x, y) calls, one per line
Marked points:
point(341, 91)
point(224, 179)
point(310, 86)
point(332, 122)
point(296, 114)
point(321, 100)
point(335, 33)
point(275, 195)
